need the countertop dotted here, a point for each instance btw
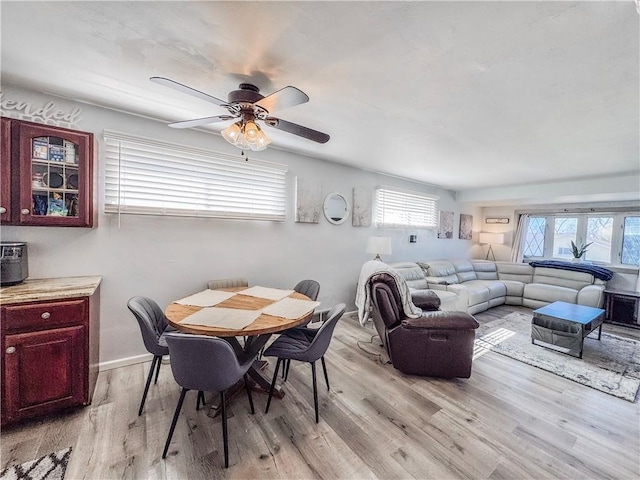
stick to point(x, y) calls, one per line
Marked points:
point(49, 289)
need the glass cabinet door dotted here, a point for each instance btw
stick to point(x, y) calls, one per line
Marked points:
point(56, 176)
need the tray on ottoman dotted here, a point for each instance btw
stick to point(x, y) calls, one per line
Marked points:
point(565, 325)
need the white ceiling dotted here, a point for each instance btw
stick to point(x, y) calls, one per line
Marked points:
point(457, 94)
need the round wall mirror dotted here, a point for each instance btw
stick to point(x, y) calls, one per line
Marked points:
point(336, 208)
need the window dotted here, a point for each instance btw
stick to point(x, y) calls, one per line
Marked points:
point(149, 177)
point(614, 237)
point(396, 208)
point(631, 241)
point(534, 238)
point(564, 232)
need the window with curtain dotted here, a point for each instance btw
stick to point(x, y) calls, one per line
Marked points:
point(397, 208)
point(614, 237)
point(145, 176)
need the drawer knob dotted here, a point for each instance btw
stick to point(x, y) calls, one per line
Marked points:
point(25, 211)
point(11, 350)
point(3, 210)
point(45, 315)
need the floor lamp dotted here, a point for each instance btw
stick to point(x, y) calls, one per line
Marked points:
point(491, 238)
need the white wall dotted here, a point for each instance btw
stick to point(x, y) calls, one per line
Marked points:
point(169, 257)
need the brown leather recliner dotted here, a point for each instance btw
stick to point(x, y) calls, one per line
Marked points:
point(438, 344)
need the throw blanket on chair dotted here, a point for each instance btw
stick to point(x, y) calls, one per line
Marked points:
point(598, 272)
point(363, 293)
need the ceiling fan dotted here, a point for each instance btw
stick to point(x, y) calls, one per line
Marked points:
point(248, 105)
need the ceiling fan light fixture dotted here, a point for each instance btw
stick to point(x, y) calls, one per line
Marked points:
point(245, 134)
point(232, 133)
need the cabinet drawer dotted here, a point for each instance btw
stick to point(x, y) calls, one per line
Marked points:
point(45, 315)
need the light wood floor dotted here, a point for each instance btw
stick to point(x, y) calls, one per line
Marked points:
point(508, 421)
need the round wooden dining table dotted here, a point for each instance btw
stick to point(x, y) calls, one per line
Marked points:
point(255, 334)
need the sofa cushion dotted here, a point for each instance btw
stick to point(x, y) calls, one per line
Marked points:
point(496, 288)
point(466, 276)
point(438, 268)
point(550, 293)
point(412, 273)
point(562, 278)
point(521, 272)
point(514, 288)
point(485, 269)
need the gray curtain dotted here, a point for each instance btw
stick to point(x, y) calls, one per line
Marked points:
point(518, 239)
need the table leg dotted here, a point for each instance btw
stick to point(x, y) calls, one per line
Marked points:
point(257, 381)
point(600, 331)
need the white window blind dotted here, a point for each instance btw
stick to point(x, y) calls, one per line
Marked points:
point(395, 208)
point(145, 176)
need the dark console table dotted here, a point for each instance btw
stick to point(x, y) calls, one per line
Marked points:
point(621, 307)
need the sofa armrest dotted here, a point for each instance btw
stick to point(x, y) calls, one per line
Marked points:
point(437, 280)
point(591, 296)
point(425, 299)
point(439, 320)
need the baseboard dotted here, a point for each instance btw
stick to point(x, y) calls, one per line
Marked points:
point(123, 362)
point(147, 357)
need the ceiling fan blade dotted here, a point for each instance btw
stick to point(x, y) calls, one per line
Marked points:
point(284, 98)
point(297, 130)
point(188, 90)
point(201, 121)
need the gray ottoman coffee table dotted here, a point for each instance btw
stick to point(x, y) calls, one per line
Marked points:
point(565, 325)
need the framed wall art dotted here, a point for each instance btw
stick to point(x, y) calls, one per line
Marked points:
point(466, 224)
point(308, 201)
point(445, 227)
point(362, 202)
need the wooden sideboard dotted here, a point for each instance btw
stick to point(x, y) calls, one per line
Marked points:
point(50, 341)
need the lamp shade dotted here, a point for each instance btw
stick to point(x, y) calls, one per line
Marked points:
point(491, 238)
point(379, 246)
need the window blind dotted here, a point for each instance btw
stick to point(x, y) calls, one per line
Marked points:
point(145, 176)
point(395, 208)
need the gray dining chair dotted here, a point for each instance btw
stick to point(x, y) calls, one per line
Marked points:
point(311, 289)
point(205, 363)
point(227, 283)
point(154, 327)
point(305, 348)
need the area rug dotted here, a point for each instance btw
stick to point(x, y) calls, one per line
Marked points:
point(49, 467)
point(611, 365)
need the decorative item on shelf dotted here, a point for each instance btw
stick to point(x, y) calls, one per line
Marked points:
point(72, 181)
point(69, 152)
point(579, 251)
point(36, 180)
point(53, 180)
point(379, 246)
point(40, 148)
point(491, 238)
point(56, 206)
point(496, 220)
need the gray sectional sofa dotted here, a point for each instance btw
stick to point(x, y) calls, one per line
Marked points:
point(474, 286)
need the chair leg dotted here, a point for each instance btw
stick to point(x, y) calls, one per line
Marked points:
point(173, 423)
point(158, 363)
point(246, 387)
point(225, 440)
point(324, 367)
point(200, 400)
point(285, 372)
point(315, 389)
point(149, 377)
point(273, 385)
